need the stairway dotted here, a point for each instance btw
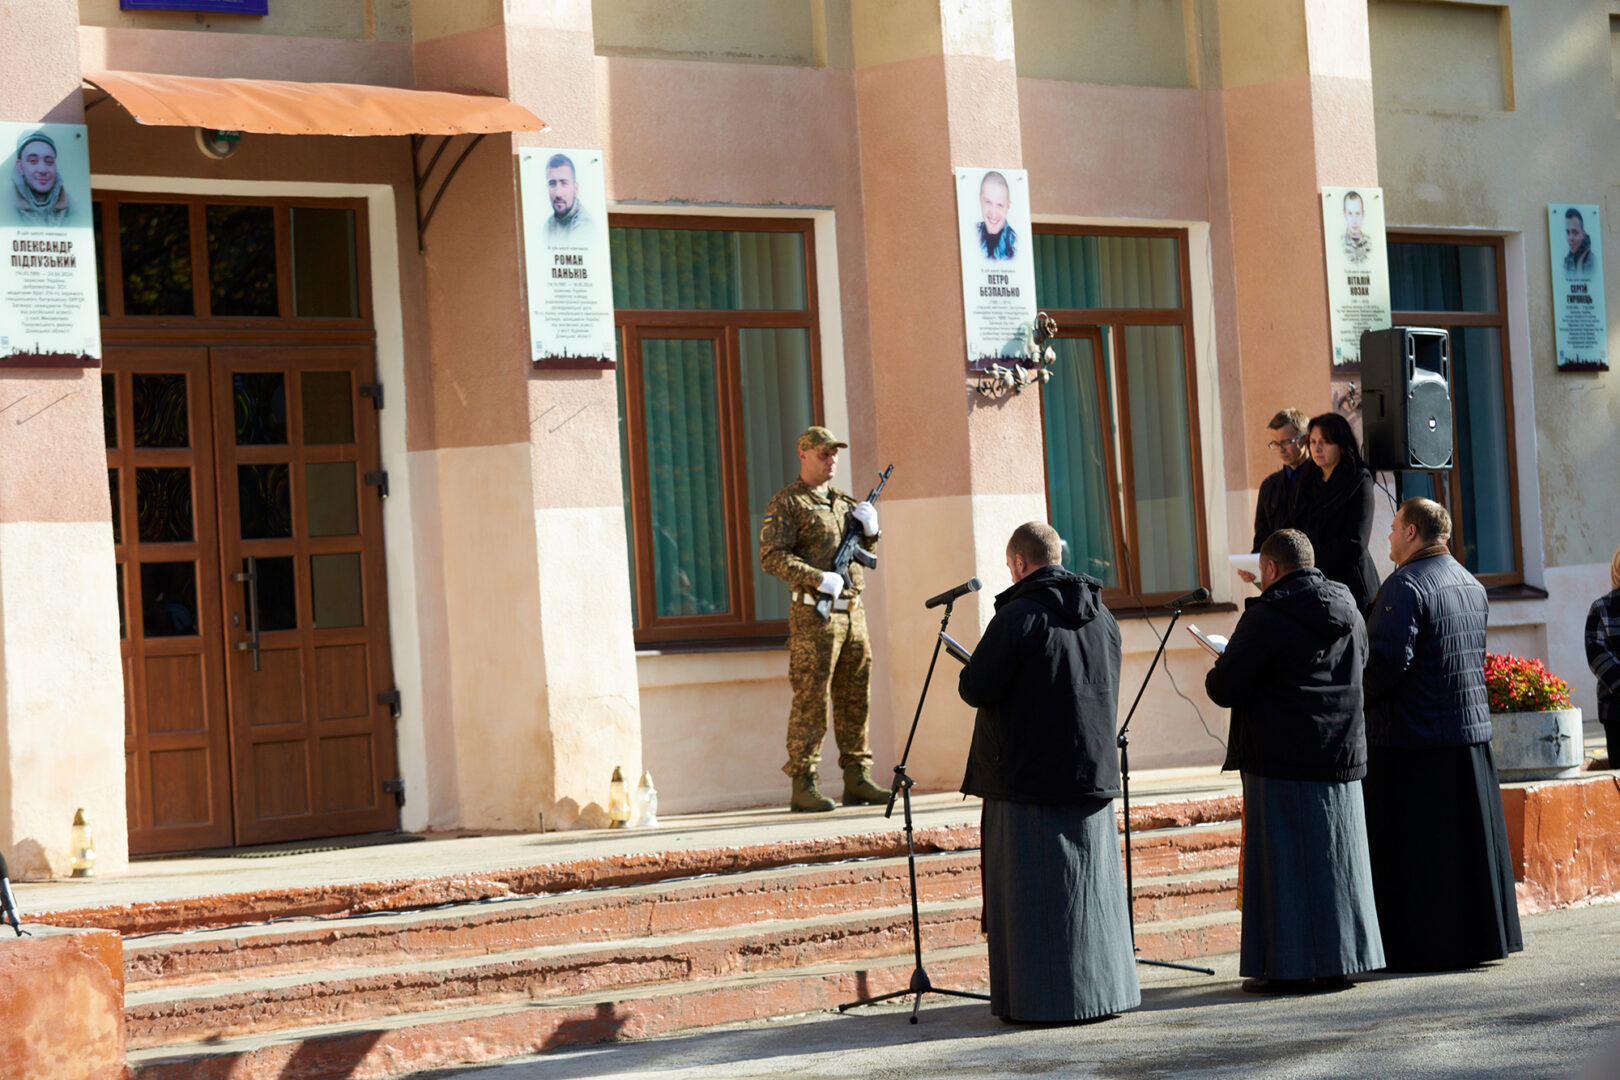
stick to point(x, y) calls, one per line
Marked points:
point(554, 956)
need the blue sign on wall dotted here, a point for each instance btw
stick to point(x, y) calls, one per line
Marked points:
point(234, 7)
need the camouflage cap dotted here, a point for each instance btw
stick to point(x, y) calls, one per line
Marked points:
point(815, 438)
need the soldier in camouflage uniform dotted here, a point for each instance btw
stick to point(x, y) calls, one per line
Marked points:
point(832, 660)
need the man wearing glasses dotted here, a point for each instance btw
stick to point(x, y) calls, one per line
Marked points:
point(1288, 440)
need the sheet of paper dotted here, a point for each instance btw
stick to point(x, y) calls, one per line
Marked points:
point(1251, 563)
point(1215, 643)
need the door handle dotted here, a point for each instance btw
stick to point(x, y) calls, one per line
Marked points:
point(251, 577)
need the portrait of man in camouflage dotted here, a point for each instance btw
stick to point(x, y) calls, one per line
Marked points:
point(829, 662)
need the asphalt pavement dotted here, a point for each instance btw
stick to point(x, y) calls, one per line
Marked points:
point(1552, 1011)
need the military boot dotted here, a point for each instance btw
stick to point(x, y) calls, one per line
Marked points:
point(859, 789)
point(807, 797)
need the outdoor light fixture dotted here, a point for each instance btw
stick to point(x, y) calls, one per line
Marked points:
point(83, 859)
point(646, 802)
point(618, 801)
point(218, 145)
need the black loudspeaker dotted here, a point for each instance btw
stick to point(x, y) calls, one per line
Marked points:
point(1406, 398)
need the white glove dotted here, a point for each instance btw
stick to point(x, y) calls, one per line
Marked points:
point(831, 584)
point(866, 514)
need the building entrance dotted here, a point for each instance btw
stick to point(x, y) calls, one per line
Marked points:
point(252, 594)
point(242, 459)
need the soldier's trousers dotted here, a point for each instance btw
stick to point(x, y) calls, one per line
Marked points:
point(828, 663)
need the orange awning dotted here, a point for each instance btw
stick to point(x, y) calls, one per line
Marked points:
point(275, 107)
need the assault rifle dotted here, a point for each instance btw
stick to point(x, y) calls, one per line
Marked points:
point(851, 550)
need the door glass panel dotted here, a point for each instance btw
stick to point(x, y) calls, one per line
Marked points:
point(261, 408)
point(1442, 277)
point(330, 505)
point(160, 410)
point(1079, 490)
point(684, 487)
point(326, 274)
point(265, 500)
point(278, 601)
point(335, 583)
point(708, 269)
point(624, 473)
point(169, 599)
point(117, 518)
point(1108, 271)
point(1479, 403)
point(241, 260)
point(123, 631)
point(163, 505)
point(101, 258)
point(109, 409)
point(154, 244)
point(328, 407)
point(777, 404)
point(1161, 459)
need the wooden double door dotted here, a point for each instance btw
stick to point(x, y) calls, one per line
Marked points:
point(252, 599)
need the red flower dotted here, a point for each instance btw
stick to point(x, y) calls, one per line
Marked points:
point(1518, 685)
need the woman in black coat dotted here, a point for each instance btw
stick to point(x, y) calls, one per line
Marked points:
point(1333, 506)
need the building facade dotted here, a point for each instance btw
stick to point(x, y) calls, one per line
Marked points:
point(316, 549)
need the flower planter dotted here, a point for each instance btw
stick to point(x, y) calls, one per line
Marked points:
point(1537, 745)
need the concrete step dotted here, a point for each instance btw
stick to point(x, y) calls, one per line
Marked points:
point(1190, 937)
point(165, 1014)
point(487, 927)
point(1176, 896)
point(374, 980)
point(409, 1043)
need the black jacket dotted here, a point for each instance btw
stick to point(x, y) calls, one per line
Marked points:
point(1603, 657)
point(1271, 511)
point(1425, 677)
point(1045, 679)
point(1291, 675)
point(1336, 515)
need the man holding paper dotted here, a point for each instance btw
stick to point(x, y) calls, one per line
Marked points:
point(1291, 675)
point(1045, 679)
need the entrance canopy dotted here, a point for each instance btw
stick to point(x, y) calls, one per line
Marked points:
point(277, 107)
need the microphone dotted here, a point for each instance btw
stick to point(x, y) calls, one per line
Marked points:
point(950, 596)
point(8, 903)
point(1199, 595)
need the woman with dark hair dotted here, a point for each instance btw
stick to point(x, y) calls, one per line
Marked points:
point(1333, 506)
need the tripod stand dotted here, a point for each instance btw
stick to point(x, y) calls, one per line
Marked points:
point(920, 983)
point(1125, 789)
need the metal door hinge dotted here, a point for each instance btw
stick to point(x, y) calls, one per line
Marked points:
point(379, 480)
point(374, 391)
point(390, 698)
point(396, 788)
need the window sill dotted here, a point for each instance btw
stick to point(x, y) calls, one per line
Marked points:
point(1518, 591)
point(714, 645)
point(1154, 612)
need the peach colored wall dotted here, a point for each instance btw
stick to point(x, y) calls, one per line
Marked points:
point(568, 700)
point(1278, 256)
point(61, 716)
point(365, 20)
point(244, 56)
point(651, 116)
point(62, 1006)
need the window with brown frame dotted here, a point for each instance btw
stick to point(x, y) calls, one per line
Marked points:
point(260, 263)
point(1120, 414)
point(1460, 284)
point(719, 372)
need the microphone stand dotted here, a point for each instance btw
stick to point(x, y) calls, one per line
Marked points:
point(920, 983)
point(1125, 788)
